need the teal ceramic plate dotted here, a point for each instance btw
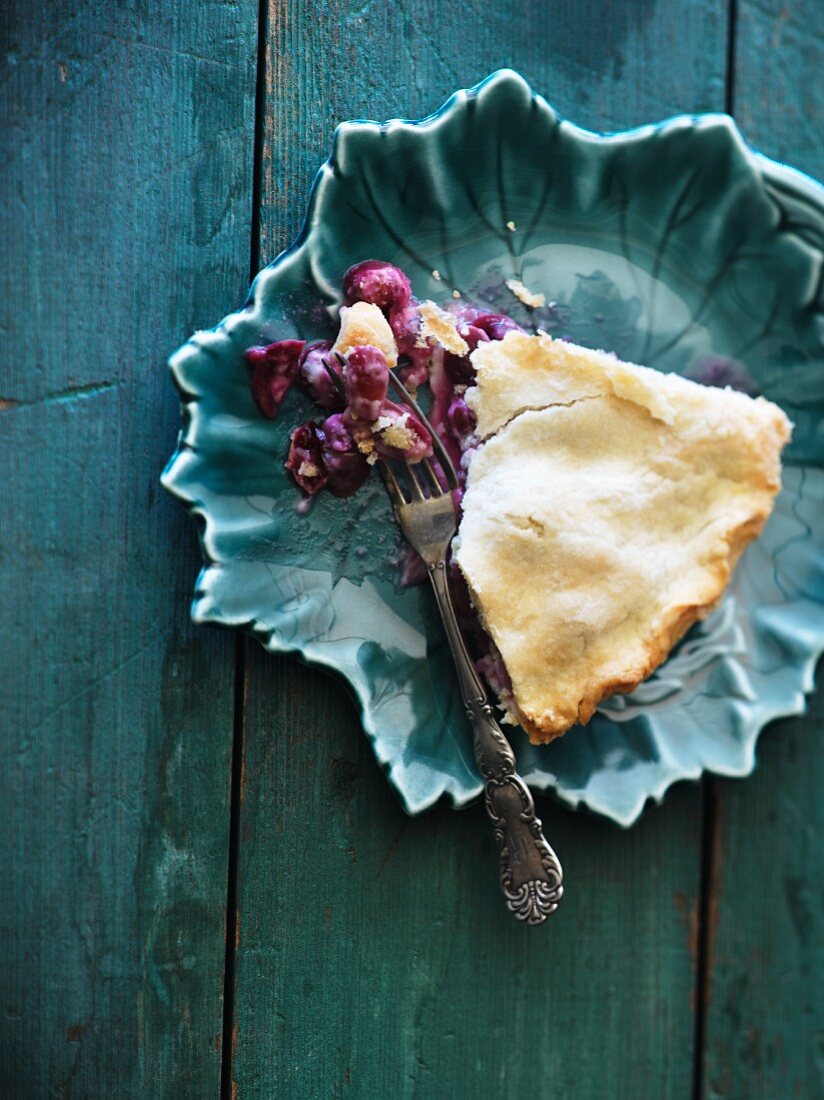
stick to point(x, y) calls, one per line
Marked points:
point(673, 245)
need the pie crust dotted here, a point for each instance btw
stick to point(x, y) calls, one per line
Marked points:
point(606, 507)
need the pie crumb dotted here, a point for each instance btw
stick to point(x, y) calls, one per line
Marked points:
point(525, 295)
point(436, 275)
point(363, 323)
point(511, 226)
point(308, 469)
point(441, 326)
point(398, 435)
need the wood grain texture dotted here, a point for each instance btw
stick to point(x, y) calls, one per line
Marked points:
point(765, 1018)
point(125, 194)
point(341, 59)
point(375, 957)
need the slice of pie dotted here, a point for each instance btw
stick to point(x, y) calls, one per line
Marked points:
point(606, 507)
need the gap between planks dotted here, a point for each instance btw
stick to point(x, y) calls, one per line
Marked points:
point(228, 1088)
point(707, 915)
point(710, 791)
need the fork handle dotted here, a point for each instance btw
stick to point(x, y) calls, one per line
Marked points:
point(530, 872)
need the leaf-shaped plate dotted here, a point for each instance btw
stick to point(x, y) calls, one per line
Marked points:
point(673, 245)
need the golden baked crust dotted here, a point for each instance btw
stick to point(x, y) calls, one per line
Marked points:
point(363, 323)
point(441, 326)
point(604, 514)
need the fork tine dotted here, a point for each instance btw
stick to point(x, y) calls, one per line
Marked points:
point(336, 381)
point(431, 473)
point(392, 485)
point(414, 484)
point(432, 476)
point(437, 445)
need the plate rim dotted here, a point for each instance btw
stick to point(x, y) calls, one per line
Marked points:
point(776, 174)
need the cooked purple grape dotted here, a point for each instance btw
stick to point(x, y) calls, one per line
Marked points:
point(346, 467)
point(461, 419)
point(336, 433)
point(275, 368)
point(414, 374)
point(459, 369)
point(496, 325)
point(406, 326)
point(313, 378)
point(398, 433)
point(364, 423)
point(405, 322)
point(378, 282)
point(473, 335)
point(305, 461)
point(467, 314)
point(366, 380)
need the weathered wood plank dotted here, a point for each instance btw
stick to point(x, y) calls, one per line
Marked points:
point(765, 1016)
point(374, 954)
point(125, 192)
point(340, 59)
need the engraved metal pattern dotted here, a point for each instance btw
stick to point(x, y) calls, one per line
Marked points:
point(531, 875)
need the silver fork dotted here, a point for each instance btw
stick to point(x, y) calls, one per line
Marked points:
point(530, 872)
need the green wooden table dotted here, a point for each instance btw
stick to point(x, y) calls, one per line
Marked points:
point(207, 886)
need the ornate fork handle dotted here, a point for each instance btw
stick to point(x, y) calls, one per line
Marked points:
point(530, 872)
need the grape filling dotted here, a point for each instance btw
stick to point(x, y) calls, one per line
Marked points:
point(365, 424)
point(365, 382)
point(379, 283)
point(304, 461)
point(313, 377)
point(345, 465)
point(274, 370)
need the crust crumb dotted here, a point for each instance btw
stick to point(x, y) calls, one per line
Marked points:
point(398, 435)
point(437, 324)
point(361, 324)
point(525, 295)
